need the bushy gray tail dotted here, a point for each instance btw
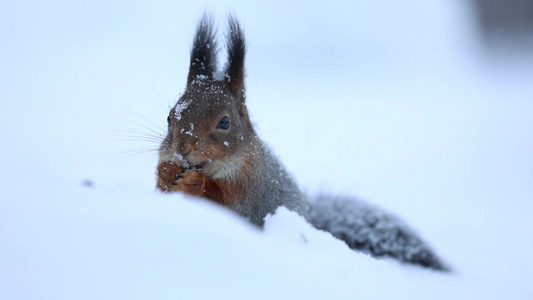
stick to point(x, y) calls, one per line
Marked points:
point(371, 230)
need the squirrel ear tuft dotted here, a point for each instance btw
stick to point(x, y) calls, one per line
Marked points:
point(236, 47)
point(204, 51)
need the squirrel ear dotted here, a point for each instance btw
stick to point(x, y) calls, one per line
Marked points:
point(204, 51)
point(236, 47)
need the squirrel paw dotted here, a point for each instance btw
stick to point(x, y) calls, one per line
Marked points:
point(191, 183)
point(167, 173)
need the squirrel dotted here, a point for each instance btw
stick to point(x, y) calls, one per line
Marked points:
point(211, 150)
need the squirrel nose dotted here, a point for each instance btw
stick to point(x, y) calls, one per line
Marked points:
point(182, 148)
point(185, 149)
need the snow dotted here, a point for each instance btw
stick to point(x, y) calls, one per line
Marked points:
point(180, 107)
point(392, 101)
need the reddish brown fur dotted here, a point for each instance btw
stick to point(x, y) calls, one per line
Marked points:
point(196, 184)
point(227, 192)
point(236, 84)
point(167, 172)
point(222, 191)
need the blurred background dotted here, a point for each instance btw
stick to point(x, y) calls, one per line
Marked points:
point(423, 107)
point(505, 24)
point(74, 71)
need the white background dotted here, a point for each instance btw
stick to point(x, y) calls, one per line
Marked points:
point(396, 102)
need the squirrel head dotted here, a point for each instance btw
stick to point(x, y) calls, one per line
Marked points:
point(209, 127)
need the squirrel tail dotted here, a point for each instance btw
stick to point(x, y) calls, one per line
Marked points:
point(371, 230)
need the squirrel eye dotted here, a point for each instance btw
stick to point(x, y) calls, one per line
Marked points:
point(224, 123)
point(169, 122)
